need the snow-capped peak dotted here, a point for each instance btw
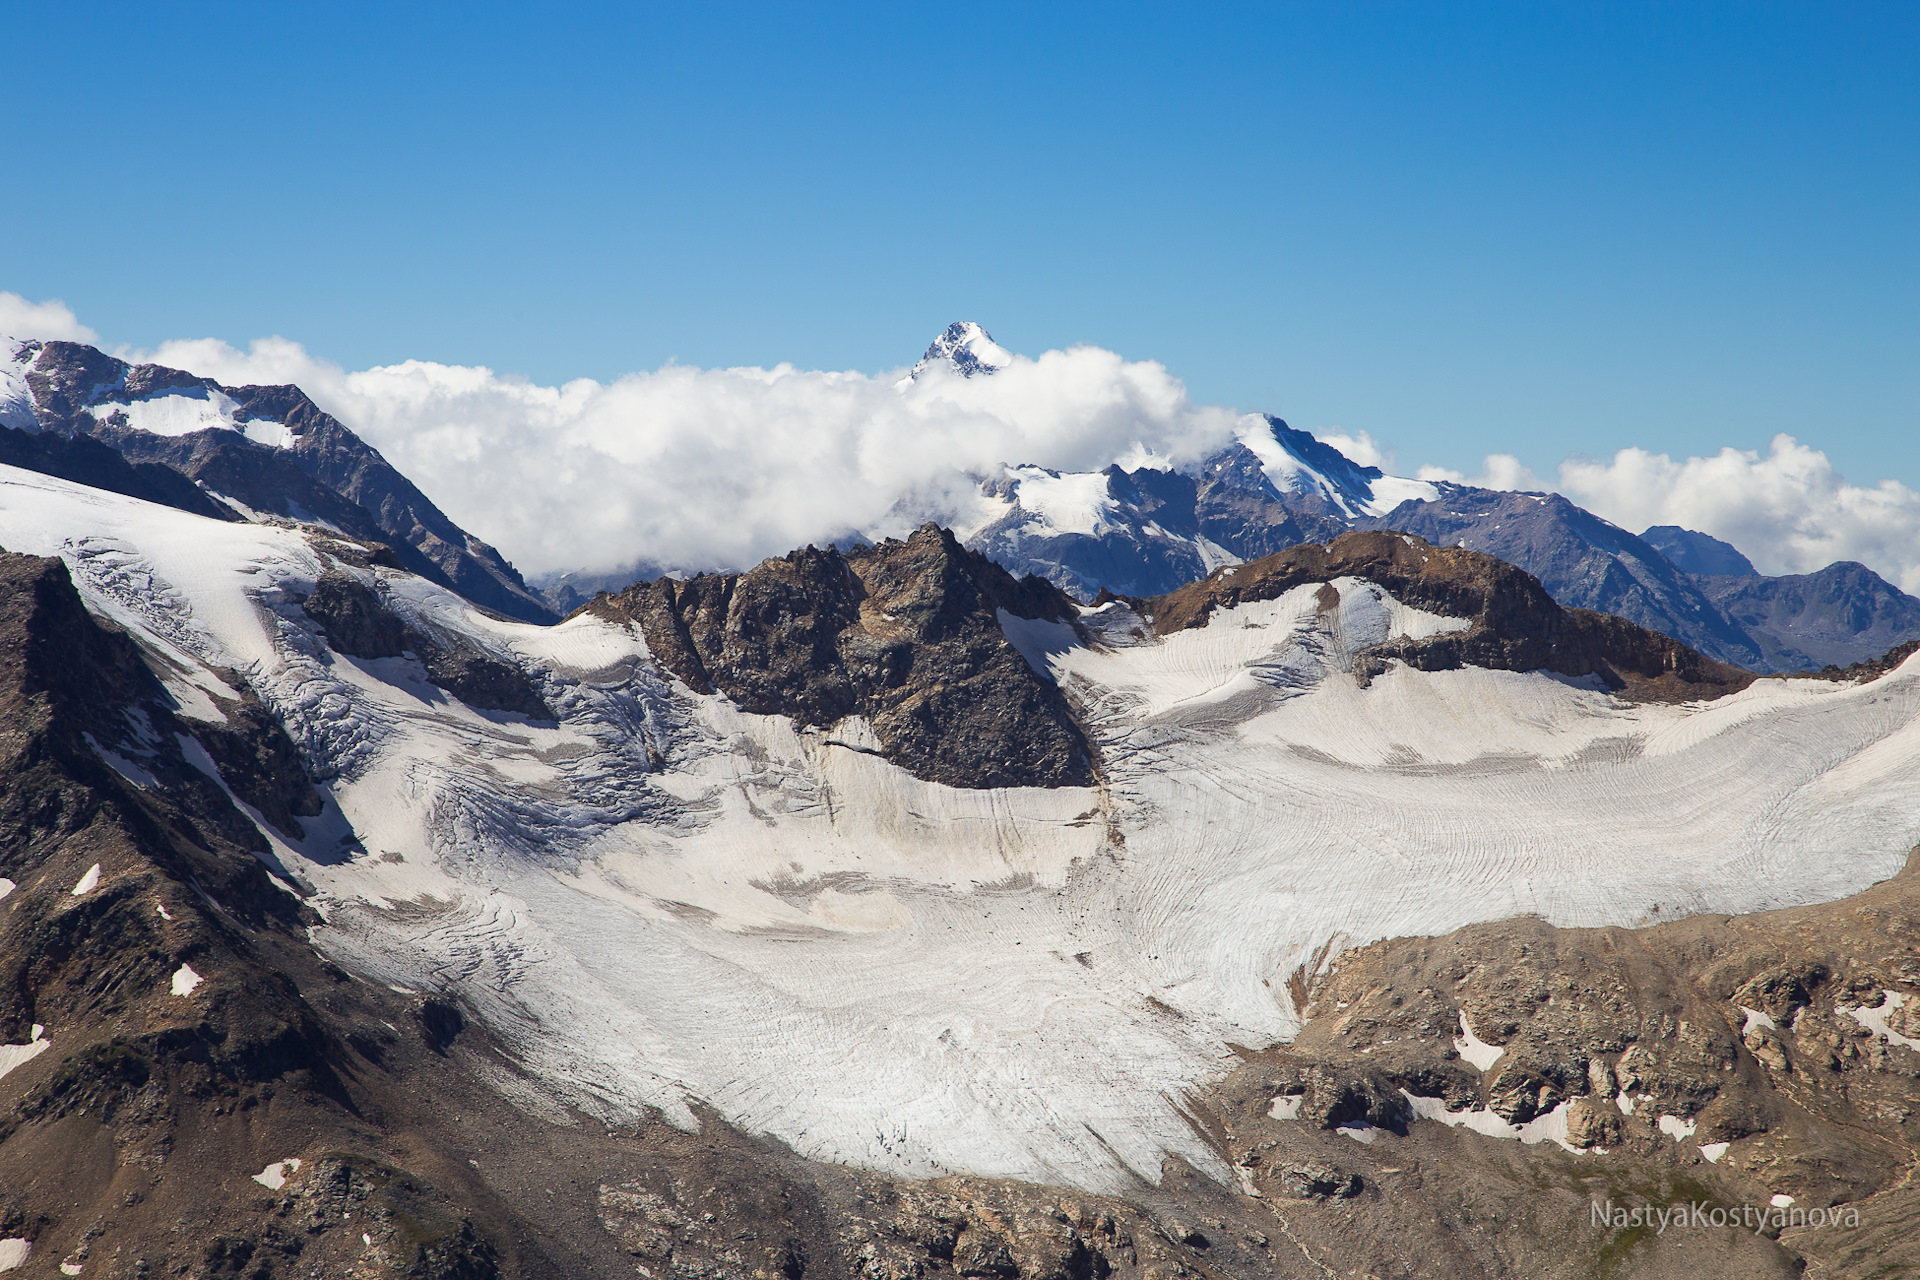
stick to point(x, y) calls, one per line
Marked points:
point(1296, 462)
point(966, 348)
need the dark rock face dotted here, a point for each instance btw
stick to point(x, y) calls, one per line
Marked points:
point(905, 634)
point(326, 472)
point(481, 680)
point(1516, 625)
point(89, 462)
point(358, 623)
point(1581, 560)
point(262, 766)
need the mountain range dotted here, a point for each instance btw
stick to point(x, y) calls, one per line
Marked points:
point(1148, 530)
point(1344, 902)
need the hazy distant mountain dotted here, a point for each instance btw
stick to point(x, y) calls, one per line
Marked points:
point(1698, 553)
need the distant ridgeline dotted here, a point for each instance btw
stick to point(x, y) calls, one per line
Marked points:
point(72, 411)
point(1146, 532)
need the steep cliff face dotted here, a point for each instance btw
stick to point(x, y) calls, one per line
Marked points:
point(905, 635)
point(1516, 625)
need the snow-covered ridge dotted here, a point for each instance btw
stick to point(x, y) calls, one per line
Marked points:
point(924, 979)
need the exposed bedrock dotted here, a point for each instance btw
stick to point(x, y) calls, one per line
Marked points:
point(904, 634)
point(358, 623)
point(1516, 625)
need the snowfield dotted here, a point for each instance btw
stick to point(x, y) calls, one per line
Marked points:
point(658, 899)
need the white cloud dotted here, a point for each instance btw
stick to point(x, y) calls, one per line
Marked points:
point(1359, 446)
point(722, 467)
point(1788, 509)
point(47, 320)
point(1497, 471)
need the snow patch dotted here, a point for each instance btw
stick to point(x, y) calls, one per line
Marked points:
point(1755, 1020)
point(1712, 1151)
point(1676, 1128)
point(1875, 1018)
point(185, 980)
point(1551, 1127)
point(1287, 1107)
point(14, 1253)
point(88, 882)
point(1475, 1050)
point(1781, 1200)
point(6, 886)
point(274, 1176)
point(18, 1055)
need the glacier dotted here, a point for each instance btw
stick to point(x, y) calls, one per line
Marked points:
point(658, 903)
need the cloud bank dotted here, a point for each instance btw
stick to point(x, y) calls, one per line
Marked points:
point(48, 320)
point(719, 468)
point(723, 467)
point(1787, 509)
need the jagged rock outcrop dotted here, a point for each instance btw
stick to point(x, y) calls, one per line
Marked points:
point(905, 635)
point(1515, 624)
point(358, 623)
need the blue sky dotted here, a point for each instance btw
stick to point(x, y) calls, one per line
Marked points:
point(1536, 229)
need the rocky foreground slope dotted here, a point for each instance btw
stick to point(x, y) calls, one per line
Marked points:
point(309, 972)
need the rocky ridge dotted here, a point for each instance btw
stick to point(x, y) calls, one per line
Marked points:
point(904, 635)
point(1515, 624)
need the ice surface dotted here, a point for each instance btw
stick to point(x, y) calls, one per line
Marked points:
point(1073, 502)
point(922, 979)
